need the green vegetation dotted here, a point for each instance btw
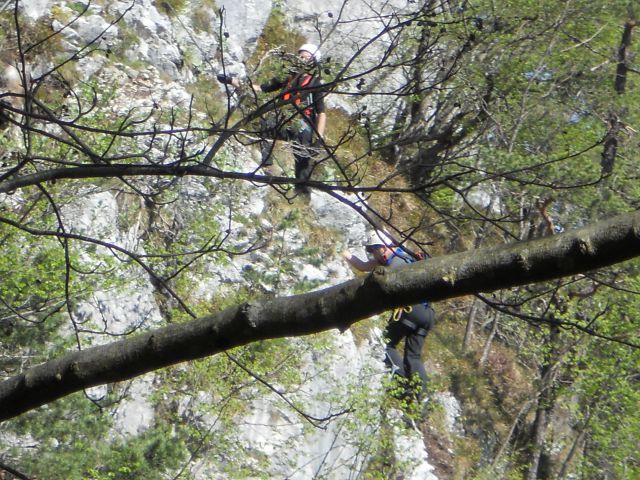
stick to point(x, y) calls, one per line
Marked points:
point(277, 34)
point(201, 15)
point(500, 130)
point(75, 454)
point(171, 7)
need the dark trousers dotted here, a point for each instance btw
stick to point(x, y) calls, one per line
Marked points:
point(413, 327)
point(301, 140)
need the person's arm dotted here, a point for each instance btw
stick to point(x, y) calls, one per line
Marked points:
point(270, 86)
point(318, 106)
point(358, 264)
point(235, 82)
point(321, 123)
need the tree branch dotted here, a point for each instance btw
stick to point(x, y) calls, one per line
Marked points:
point(604, 243)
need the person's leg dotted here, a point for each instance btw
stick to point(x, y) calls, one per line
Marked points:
point(395, 332)
point(266, 152)
point(271, 130)
point(416, 372)
point(423, 318)
point(302, 155)
point(303, 170)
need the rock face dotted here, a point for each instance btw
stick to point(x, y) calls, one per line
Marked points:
point(244, 22)
point(159, 42)
point(34, 9)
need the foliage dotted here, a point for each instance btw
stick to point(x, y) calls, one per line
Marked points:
point(66, 446)
point(171, 7)
point(276, 34)
point(201, 15)
point(495, 132)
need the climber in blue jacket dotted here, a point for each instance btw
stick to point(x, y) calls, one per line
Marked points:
point(411, 322)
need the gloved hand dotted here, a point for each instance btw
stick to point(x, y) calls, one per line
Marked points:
point(222, 78)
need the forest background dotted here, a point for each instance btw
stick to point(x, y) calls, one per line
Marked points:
point(168, 310)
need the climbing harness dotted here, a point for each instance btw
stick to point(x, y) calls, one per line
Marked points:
point(416, 330)
point(397, 316)
point(297, 95)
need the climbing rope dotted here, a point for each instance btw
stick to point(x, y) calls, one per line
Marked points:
point(397, 313)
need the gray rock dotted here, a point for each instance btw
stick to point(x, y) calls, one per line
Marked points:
point(33, 9)
point(244, 22)
point(91, 27)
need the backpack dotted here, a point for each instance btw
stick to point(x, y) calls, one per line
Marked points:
point(407, 256)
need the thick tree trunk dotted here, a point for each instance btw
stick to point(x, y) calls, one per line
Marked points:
point(623, 58)
point(546, 402)
point(471, 320)
point(487, 344)
point(483, 270)
point(610, 149)
point(538, 438)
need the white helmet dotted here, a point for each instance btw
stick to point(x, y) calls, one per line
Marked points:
point(312, 49)
point(378, 238)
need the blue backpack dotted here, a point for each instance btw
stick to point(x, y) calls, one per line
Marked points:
point(407, 256)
